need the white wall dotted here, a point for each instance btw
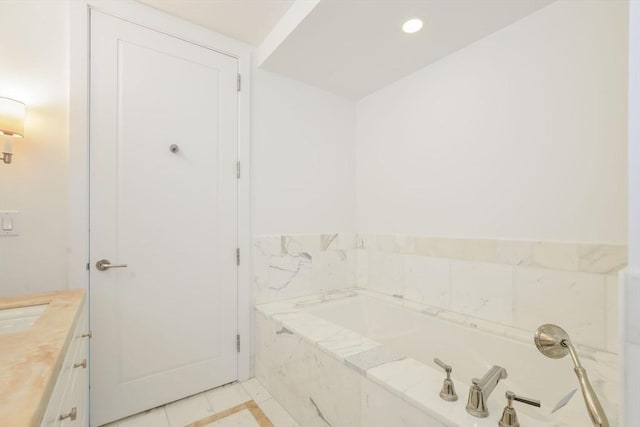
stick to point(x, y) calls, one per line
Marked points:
point(34, 69)
point(630, 291)
point(302, 141)
point(634, 136)
point(303, 158)
point(520, 135)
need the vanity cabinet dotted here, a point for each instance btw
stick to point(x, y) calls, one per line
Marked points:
point(68, 405)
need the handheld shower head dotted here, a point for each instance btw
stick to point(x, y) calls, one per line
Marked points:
point(554, 342)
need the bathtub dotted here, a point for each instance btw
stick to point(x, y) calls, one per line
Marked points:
point(359, 358)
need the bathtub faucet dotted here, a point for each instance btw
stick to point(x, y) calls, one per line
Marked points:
point(481, 389)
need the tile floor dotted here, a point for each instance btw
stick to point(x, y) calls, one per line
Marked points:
point(195, 408)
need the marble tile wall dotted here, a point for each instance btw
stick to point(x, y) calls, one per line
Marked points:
point(630, 338)
point(382, 409)
point(517, 283)
point(288, 266)
point(583, 257)
point(317, 390)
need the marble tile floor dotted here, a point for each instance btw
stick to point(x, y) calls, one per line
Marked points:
point(228, 399)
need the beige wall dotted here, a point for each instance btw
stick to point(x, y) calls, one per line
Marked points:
point(34, 69)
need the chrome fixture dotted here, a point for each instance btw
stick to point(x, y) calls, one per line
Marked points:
point(71, 415)
point(105, 264)
point(480, 391)
point(554, 342)
point(82, 364)
point(509, 416)
point(448, 391)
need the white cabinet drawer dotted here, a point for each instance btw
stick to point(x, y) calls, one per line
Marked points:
point(75, 400)
point(72, 387)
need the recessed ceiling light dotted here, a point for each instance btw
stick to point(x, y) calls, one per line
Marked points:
point(412, 26)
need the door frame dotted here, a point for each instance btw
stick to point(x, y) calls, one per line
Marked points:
point(79, 43)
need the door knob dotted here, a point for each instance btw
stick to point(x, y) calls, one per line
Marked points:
point(105, 264)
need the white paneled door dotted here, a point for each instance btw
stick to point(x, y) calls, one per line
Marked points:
point(163, 202)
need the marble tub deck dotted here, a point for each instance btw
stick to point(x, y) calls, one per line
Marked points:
point(404, 377)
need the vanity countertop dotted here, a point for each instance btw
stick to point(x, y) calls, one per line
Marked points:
point(31, 359)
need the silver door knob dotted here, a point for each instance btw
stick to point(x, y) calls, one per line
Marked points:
point(105, 264)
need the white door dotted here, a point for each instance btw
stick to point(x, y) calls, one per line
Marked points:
point(164, 327)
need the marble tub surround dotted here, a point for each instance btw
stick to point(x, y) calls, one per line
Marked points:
point(566, 256)
point(287, 266)
point(508, 282)
point(30, 359)
point(326, 374)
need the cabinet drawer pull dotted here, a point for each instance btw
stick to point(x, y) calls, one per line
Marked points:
point(87, 335)
point(71, 415)
point(82, 364)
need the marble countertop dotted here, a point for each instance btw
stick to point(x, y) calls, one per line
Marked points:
point(30, 360)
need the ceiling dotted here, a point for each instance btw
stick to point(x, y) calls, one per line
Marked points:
point(355, 47)
point(245, 20)
point(350, 47)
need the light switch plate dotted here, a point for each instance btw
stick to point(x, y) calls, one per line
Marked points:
point(9, 223)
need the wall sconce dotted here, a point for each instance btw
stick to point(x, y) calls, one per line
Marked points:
point(12, 114)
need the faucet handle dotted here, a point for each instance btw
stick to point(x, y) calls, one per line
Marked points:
point(448, 391)
point(511, 397)
point(447, 368)
point(509, 416)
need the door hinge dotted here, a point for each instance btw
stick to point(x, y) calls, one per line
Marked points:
point(238, 169)
point(239, 82)
point(88, 266)
point(238, 343)
point(237, 256)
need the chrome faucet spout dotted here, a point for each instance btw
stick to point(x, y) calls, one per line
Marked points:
point(481, 389)
point(491, 379)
